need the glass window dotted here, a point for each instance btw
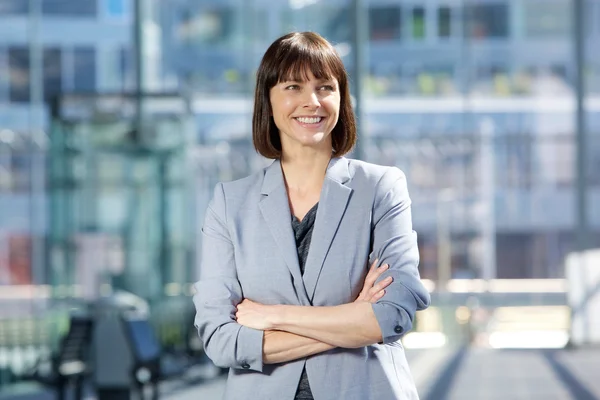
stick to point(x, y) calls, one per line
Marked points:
point(4, 75)
point(337, 28)
point(117, 8)
point(84, 59)
point(444, 22)
point(18, 66)
point(548, 18)
point(52, 73)
point(418, 23)
point(208, 27)
point(79, 8)
point(331, 22)
point(487, 20)
point(21, 171)
point(14, 7)
point(384, 23)
point(126, 67)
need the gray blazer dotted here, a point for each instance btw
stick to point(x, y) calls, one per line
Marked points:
point(249, 251)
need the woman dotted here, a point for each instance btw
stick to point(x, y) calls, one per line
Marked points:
point(286, 297)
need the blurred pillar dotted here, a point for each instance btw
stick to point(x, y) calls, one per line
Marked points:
point(37, 165)
point(147, 54)
point(138, 35)
point(488, 199)
point(360, 40)
point(444, 239)
point(581, 226)
point(581, 139)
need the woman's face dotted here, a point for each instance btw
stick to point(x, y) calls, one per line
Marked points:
point(306, 112)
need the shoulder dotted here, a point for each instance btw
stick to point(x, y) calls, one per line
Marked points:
point(238, 190)
point(382, 177)
point(242, 186)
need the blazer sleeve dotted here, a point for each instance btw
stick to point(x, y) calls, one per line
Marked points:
point(218, 292)
point(394, 242)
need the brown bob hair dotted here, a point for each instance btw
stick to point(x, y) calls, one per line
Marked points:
point(290, 58)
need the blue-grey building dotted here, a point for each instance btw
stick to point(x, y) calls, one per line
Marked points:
point(441, 75)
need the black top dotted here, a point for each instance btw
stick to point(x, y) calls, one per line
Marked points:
point(303, 232)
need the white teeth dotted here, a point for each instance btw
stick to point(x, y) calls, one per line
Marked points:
point(309, 120)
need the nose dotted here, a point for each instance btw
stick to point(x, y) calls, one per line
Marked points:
point(312, 100)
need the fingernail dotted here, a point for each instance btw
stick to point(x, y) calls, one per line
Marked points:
point(389, 278)
point(384, 266)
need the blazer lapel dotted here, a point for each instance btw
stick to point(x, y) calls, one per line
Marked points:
point(275, 210)
point(332, 205)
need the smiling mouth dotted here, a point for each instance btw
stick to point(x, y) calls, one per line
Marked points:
point(309, 120)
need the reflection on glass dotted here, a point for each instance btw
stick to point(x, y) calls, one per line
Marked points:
point(384, 22)
point(548, 18)
point(207, 27)
point(4, 76)
point(487, 20)
point(52, 72)
point(418, 23)
point(14, 7)
point(332, 22)
point(84, 69)
point(444, 22)
point(74, 8)
point(117, 8)
point(18, 65)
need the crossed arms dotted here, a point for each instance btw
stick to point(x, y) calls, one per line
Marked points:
point(293, 332)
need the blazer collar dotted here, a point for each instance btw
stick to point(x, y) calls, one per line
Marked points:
point(332, 205)
point(337, 170)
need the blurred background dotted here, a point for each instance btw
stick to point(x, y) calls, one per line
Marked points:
point(491, 108)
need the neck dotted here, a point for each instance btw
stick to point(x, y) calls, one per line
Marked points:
point(304, 172)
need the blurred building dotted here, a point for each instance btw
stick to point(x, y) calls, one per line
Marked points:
point(441, 76)
point(471, 96)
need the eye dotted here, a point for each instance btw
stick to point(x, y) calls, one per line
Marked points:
point(328, 88)
point(292, 87)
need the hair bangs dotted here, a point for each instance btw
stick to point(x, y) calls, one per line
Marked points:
point(296, 67)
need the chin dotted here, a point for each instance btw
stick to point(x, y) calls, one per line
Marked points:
point(313, 139)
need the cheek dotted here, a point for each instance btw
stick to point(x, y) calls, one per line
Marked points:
point(282, 108)
point(334, 105)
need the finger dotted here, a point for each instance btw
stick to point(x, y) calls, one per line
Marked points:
point(377, 273)
point(374, 296)
point(381, 285)
point(378, 295)
point(372, 268)
point(373, 275)
point(374, 265)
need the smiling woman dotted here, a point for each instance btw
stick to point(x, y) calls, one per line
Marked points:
point(286, 298)
point(294, 69)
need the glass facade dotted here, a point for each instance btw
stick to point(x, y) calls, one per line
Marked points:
point(84, 69)
point(118, 8)
point(472, 98)
point(14, 7)
point(209, 48)
point(18, 70)
point(70, 8)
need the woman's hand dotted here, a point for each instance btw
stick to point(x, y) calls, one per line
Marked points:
point(372, 292)
point(255, 315)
